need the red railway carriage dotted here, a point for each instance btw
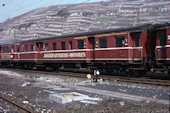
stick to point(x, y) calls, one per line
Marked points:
point(99, 49)
point(168, 46)
point(160, 46)
point(162, 43)
point(112, 50)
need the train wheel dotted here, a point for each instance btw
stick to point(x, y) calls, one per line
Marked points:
point(29, 66)
point(49, 68)
point(25, 66)
point(142, 72)
point(114, 72)
point(130, 72)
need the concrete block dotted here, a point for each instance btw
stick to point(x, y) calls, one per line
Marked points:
point(63, 98)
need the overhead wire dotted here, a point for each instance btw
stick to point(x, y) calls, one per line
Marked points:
point(28, 6)
point(23, 9)
point(4, 3)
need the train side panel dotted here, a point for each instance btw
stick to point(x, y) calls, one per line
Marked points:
point(109, 49)
point(6, 53)
point(168, 46)
point(124, 47)
point(26, 51)
point(66, 50)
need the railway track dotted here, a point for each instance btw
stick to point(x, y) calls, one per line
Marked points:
point(141, 80)
point(129, 79)
point(19, 107)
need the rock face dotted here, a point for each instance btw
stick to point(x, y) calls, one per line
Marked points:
point(69, 19)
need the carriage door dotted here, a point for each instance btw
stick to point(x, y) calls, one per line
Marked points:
point(0, 52)
point(39, 49)
point(92, 48)
point(136, 47)
point(160, 49)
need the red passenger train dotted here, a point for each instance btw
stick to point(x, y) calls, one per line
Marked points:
point(142, 48)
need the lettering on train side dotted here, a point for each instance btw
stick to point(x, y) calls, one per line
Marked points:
point(64, 55)
point(168, 37)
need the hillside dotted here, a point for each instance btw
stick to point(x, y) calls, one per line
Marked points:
point(68, 19)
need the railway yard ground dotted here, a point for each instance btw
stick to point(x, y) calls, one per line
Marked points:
point(54, 93)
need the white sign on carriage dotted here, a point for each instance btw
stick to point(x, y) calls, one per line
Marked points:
point(64, 55)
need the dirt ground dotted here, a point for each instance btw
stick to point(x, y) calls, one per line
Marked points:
point(32, 93)
point(117, 106)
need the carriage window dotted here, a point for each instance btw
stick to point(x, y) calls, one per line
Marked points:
point(22, 48)
point(32, 47)
point(63, 46)
point(7, 49)
point(137, 42)
point(70, 45)
point(26, 48)
point(12, 50)
point(46, 46)
point(102, 42)
point(119, 41)
point(18, 49)
point(162, 36)
point(3, 50)
point(80, 44)
point(54, 46)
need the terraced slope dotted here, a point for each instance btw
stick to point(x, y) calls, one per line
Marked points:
point(68, 19)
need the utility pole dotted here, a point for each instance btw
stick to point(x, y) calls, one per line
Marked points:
point(137, 19)
point(138, 16)
point(14, 35)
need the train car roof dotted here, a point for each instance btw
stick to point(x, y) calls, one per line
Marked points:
point(161, 25)
point(10, 44)
point(91, 34)
point(139, 28)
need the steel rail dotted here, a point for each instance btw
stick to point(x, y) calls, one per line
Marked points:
point(141, 80)
point(5, 98)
